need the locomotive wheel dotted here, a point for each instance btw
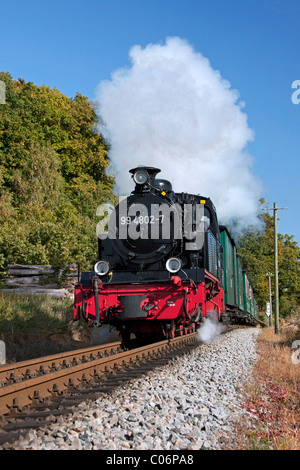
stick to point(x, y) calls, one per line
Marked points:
point(170, 334)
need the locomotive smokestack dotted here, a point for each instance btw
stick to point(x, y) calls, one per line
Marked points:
point(144, 177)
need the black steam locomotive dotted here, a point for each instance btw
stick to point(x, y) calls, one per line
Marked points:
point(160, 266)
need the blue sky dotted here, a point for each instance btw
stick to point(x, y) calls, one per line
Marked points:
point(74, 45)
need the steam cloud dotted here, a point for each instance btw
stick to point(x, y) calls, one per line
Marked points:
point(171, 110)
point(209, 330)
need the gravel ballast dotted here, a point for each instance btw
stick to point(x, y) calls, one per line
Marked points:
point(188, 404)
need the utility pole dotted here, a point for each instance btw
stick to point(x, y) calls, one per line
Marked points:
point(276, 295)
point(270, 296)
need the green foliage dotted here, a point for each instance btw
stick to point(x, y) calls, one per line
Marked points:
point(34, 326)
point(39, 312)
point(43, 116)
point(256, 249)
point(52, 176)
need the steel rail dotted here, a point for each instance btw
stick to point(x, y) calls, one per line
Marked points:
point(17, 396)
point(11, 373)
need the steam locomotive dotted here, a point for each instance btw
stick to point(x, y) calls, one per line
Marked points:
point(162, 267)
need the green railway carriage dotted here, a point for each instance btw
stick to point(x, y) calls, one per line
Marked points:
point(238, 293)
point(253, 305)
point(240, 290)
point(256, 309)
point(246, 294)
point(229, 267)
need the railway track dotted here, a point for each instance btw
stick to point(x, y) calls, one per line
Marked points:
point(32, 393)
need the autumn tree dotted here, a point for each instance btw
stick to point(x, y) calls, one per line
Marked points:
point(52, 176)
point(256, 249)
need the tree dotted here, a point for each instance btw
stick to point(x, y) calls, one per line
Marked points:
point(52, 176)
point(256, 249)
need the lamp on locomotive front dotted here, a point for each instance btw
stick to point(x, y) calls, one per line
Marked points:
point(144, 177)
point(101, 268)
point(141, 177)
point(173, 265)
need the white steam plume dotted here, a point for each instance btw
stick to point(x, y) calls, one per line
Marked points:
point(209, 330)
point(171, 110)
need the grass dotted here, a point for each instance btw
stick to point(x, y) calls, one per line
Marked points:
point(272, 395)
point(35, 326)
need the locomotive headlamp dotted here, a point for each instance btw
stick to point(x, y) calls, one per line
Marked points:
point(101, 268)
point(140, 177)
point(173, 265)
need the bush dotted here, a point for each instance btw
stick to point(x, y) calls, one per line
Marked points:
point(35, 326)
